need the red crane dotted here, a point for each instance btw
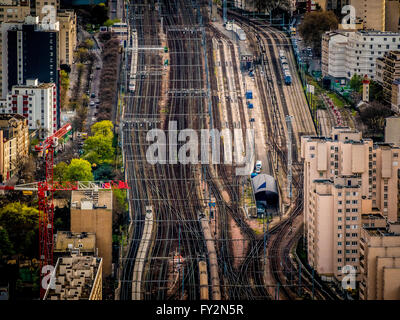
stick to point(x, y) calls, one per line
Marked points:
point(46, 189)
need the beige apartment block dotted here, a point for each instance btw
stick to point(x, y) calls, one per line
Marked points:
point(396, 96)
point(68, 35)
point(345, 177)
point(77, 277)
point(392, 130)
point(67, 242)
point(373, 12)
point(380, 263)
point(40, 12)
point(14, 143)
point(91, 211)
point(380, 15)
point(390, 64)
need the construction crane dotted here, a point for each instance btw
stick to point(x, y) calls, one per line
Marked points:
point(46, 189)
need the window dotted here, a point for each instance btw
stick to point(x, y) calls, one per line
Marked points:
point(339, 251)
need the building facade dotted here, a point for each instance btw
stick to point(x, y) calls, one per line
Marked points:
point(77, 277)
point(14, 144)
point(356, 52)
point(92, 212)
point(67, 20)
point(37, 102)
point(26, 59)
point(396, 96)
point(380, 263)
point(387, 71)
point(345, 177)
point(10, 11)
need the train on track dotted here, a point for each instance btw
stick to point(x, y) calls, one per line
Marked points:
point(133, 70)
point(287, 76)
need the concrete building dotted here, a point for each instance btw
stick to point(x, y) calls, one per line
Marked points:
point(92, 212)
point(77, 277)
point(68, 35)
point(37, 102)
point(396, 96)
point(387, 71)
point(333, 60)
point(379, 15)
point(41, 12)
point(355, 52)
point(14, 144)
point(345, 176)
point(30, 51)
point(68, 242)
point(11, 11)
point(380, 263)
point(392, 130)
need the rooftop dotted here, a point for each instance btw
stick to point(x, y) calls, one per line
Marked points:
point(67, 241)
point(74, 278)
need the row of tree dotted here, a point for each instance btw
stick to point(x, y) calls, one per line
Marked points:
point(109, 76)
point(98, 153)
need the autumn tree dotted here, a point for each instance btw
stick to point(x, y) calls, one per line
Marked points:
point(314, 25)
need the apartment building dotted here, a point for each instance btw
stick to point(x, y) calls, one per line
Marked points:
point(24, 59)
point(68, 35)
point(380, 262)
point(379, 15)
point(11, 11)
point(67, 243)
point(345, 177)
point(333, 60)
point(356, 52)
point(392, 130)
point(14, 144)
point(387, 71)
point(37, 102)
point(92, 212)
point(395, 103)
point(77, 277)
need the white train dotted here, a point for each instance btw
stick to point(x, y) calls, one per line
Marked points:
point(132, 74)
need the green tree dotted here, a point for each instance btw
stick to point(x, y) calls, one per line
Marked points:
point(78, 170)
point(356, 83)
point(103, 172)
point(6, 247)
point(97, 149)
point(314, 25)
point(104, 128)
point(59, 171)
point(89, 43)
point(21, 224)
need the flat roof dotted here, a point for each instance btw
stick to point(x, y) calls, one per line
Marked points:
point(85, 241)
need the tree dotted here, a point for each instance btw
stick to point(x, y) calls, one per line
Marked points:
point(89, 43)
point(6, 247)
point(21, 225)
point(314, 25)
point(269, 5)
point(59, 171)
point(98, 149)
point(103, 172)
point(356, 83)
point(373, 117)
point(78, 170)
point(104, 128)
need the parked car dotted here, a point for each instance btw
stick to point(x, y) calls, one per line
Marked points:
point(93, 95)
